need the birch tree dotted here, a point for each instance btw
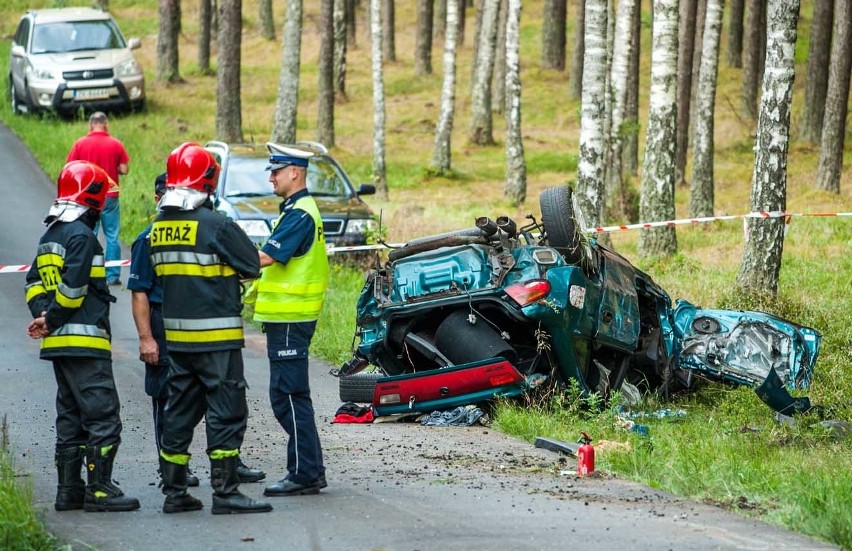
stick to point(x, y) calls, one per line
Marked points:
point(657, 190)
point(575, 82)
point(516, 167)
point(686, 51)
point(481, 130)
point(816, 80)
point(590, 169)
point(229, 124)
point(834, 123)
point(379, 175)
point(618, 83)
point(630, 148)
point(264, 16)
point(340, 48)
point(761, 262)
point(287, 100)
point(442, 152)
point(167, 41)
point(701, 189)
point(325, 78)
point(498, 82)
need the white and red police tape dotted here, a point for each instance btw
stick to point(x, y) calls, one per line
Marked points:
point(599, 229)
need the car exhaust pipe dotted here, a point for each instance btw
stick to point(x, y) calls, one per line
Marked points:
point(487, 225)
point(507, 225)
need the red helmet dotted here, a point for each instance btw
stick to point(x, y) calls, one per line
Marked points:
point(83, 183)
point(192, 166)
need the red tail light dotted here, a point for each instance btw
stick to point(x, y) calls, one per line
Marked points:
point(529, 291)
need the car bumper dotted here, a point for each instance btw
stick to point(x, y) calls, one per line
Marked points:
point(103, 95)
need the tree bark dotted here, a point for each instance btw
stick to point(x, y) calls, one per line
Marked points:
point(498, 83)
point(657, 194)
point(461, 23)
point(575, 82)
point(481, 131)
point(325, 82)
point(735, 34)
point(229, 124)
point(631, 107)
point(351, 24)
point(836, 104)
point(267, 22)
point(686, 49)
point(439, 25)
point(389, 32)
point(379, 175)
point(752, 64)
point(701, 190)
point(423, 43)
point(590, 169)
point(340, 49)
point(287, 101)
point(205, 10)
point(167, 41)
point(553, 34)
point(516, 167)
point(442, 152)
point(816, 82)
point(761, 263)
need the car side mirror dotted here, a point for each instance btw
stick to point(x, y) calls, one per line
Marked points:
point(367, 189)
point(17, 50)
point(134, 43)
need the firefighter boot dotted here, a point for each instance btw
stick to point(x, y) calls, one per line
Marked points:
point(71, 489)
point(174, 486)
point(226, 494)
point(101, 492)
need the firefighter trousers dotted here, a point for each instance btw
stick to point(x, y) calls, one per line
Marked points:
point(87, 406)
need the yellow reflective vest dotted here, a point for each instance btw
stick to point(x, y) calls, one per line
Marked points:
point(294, 292)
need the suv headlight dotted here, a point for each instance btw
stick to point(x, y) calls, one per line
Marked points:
point(254, 228)
point(128, 68)
point(360, 226)
point(42, 74)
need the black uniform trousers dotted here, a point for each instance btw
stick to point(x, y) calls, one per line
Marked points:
point(209, 385)
point(290, 394)
point(87, 406)
point(156, 375)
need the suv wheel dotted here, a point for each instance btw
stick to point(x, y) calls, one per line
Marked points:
point(14, 97)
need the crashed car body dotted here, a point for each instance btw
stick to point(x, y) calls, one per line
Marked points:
point(463, 317)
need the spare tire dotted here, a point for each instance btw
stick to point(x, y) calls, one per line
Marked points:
point(359, 387)
point(557, 217)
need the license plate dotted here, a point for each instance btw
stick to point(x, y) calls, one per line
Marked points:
point(91, 93)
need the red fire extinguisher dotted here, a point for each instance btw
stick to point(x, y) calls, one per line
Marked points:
point(585, 456)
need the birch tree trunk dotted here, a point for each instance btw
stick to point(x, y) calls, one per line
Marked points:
point(516, 167)
point(229, 124)
point(423, 43)
point(389, 34)
point(498, 82)
point(167, 41)
point(686, 50)
point(630, 161)
point(834, 124)
point(481, 131)
point(325, 68)
point(553, 34)
point(761, 263)
point(287, 100)
point(615, 195)
point(575, 82)
point(752, 63)
point(379, 175)
point(657, 191)
point(340, 49)
point(442, 152)
point(204, 35)
point(735, 34)
point(816, 81)
point(267, 23)
point(701, 190)
point(590, 170)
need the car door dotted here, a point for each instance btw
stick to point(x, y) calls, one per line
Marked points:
point(18, 57)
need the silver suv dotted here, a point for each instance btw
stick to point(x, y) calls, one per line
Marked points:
point(64, 59)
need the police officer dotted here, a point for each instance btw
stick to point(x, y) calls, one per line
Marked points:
point(290, 293)
point(67, 293)
point(200, 256)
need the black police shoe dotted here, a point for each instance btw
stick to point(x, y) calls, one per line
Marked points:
point(286, 487)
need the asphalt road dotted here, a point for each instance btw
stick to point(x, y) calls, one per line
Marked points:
point(392, 486)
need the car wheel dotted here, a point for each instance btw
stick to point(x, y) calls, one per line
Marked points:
point(359, 387)
point(557, 217)
point(13, 96)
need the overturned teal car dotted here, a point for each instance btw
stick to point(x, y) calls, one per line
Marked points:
point(492, 310)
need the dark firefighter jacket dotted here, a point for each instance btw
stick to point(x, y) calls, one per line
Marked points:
point(68, 281)
point(200, 257)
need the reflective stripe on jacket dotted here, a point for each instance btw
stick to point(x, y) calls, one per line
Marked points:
point(295, 291)
point(200, 257)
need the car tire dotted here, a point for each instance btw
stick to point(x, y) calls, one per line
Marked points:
point(13, 97)
point(359, 387)
point(557, 217)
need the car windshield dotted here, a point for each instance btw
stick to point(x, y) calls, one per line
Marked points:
point(246, 177)
point(72, 36)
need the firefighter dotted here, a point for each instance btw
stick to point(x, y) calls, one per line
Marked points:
point(290, 293)
point(67, 293)
point(200, 256)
